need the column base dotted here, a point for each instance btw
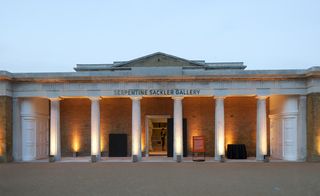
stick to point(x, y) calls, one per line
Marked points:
point(52, 158)
point(260, 157)
point(2, 159)
point(220, 158)
point(94, 158)
point(135, 158)
point(179, 158)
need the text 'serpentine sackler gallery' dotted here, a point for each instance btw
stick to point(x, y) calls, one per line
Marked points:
point(155, 105)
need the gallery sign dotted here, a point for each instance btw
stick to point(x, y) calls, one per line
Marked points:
point(156, 92)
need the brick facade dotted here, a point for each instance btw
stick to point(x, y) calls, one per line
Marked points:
point(75, 125)
point(115, 117)
point(313, 127)
point(5, 129)
point(199, 112)
point(240, 122)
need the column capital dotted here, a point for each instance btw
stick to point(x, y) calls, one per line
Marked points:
point(94, 98)
point(177, 97)
point(261, 97)
point(303, 96)
point(136, 98)
point(54, 98)
point(219, 97)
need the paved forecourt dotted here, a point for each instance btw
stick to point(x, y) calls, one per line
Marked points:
point(201, 178)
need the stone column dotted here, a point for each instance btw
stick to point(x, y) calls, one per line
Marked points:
point(219, 128)
point(55, 145)
point(261, 143)
point(136, 129)
point(302, 128)
point(95, 127)
point(177, 129)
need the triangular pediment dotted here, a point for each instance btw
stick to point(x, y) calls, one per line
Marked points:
point(159, 59)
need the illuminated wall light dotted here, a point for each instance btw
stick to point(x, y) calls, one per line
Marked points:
point(318, 144)
point(102, 143)
point(75, 142)
point(193, 133)
point(143, 142)
point(2, 142)
point(229, 138)
point(1, 147)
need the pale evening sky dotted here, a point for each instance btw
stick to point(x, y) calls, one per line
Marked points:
point(54, 36)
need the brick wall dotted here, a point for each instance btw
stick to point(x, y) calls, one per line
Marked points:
point(240, 122)
point(313, 127)
point(199, 112)
point(5, 128)
point(115, 117)
point(75, 125)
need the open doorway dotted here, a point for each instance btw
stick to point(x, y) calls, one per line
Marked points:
point(156, 135)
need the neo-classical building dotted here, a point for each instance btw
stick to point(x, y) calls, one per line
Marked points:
point(154, 105)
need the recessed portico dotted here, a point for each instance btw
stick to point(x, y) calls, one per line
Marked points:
point(230, 120)
point(101, 110)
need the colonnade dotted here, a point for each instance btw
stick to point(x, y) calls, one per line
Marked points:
point(261, 136)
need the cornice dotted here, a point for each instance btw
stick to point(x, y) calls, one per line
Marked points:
point(186, 76)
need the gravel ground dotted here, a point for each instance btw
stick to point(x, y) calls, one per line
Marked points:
point(148, 179)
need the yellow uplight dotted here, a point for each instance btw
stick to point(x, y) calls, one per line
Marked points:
point(1, 148)
point(143, 142)
point(101, 143)
point(229, 137)
point(75, 141)
point(318, 145)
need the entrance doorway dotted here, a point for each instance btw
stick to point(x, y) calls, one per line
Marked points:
point(156, 135)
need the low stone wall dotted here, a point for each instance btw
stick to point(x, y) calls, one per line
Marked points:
point(313, 127)
point(5, 129)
